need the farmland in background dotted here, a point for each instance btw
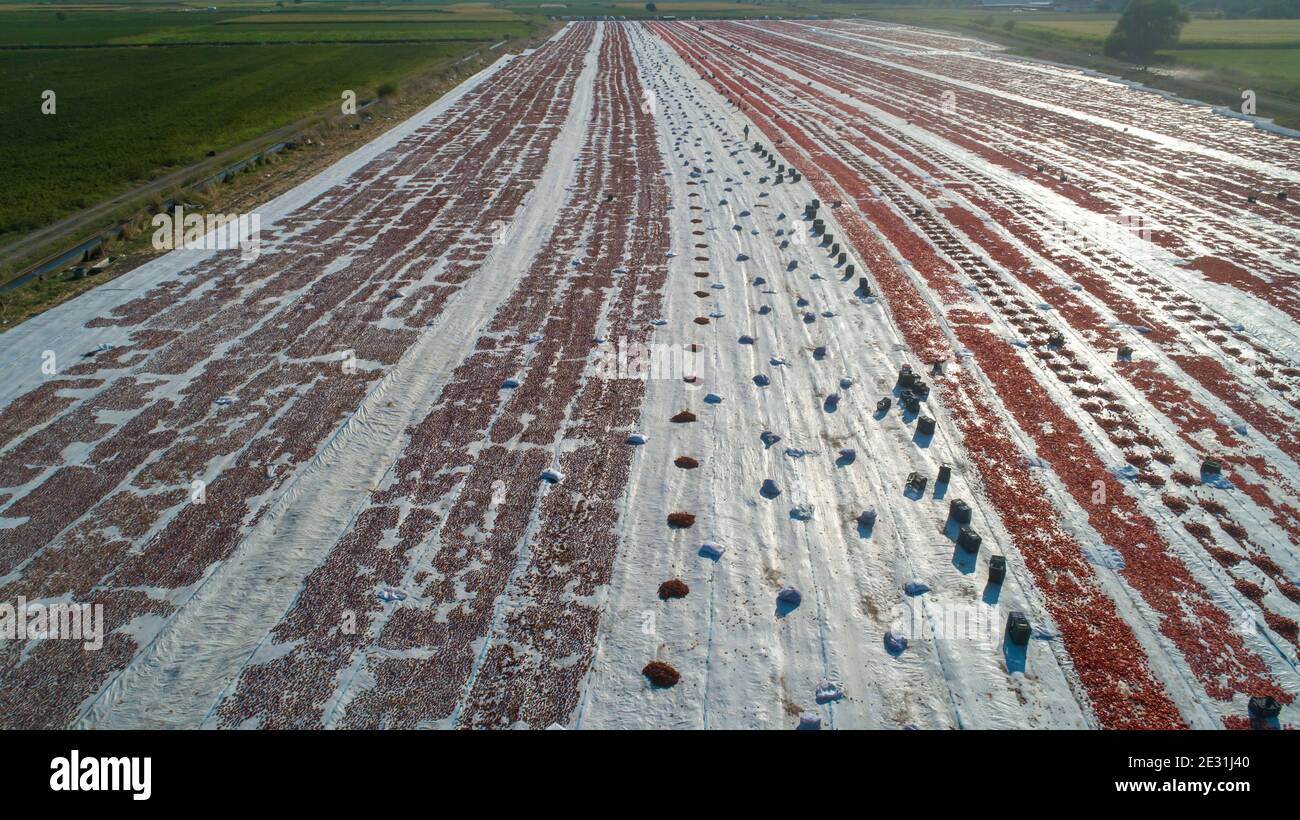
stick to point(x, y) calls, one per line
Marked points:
point(146, 89)
point(1262, 55)
point(143, 89)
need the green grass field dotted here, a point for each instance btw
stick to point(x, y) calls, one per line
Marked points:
point(269, 24)
point(126, 113)
point(1265, 70)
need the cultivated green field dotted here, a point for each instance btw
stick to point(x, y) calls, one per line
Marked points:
point(306, 22)
point(145, 88)
point(123, 115)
